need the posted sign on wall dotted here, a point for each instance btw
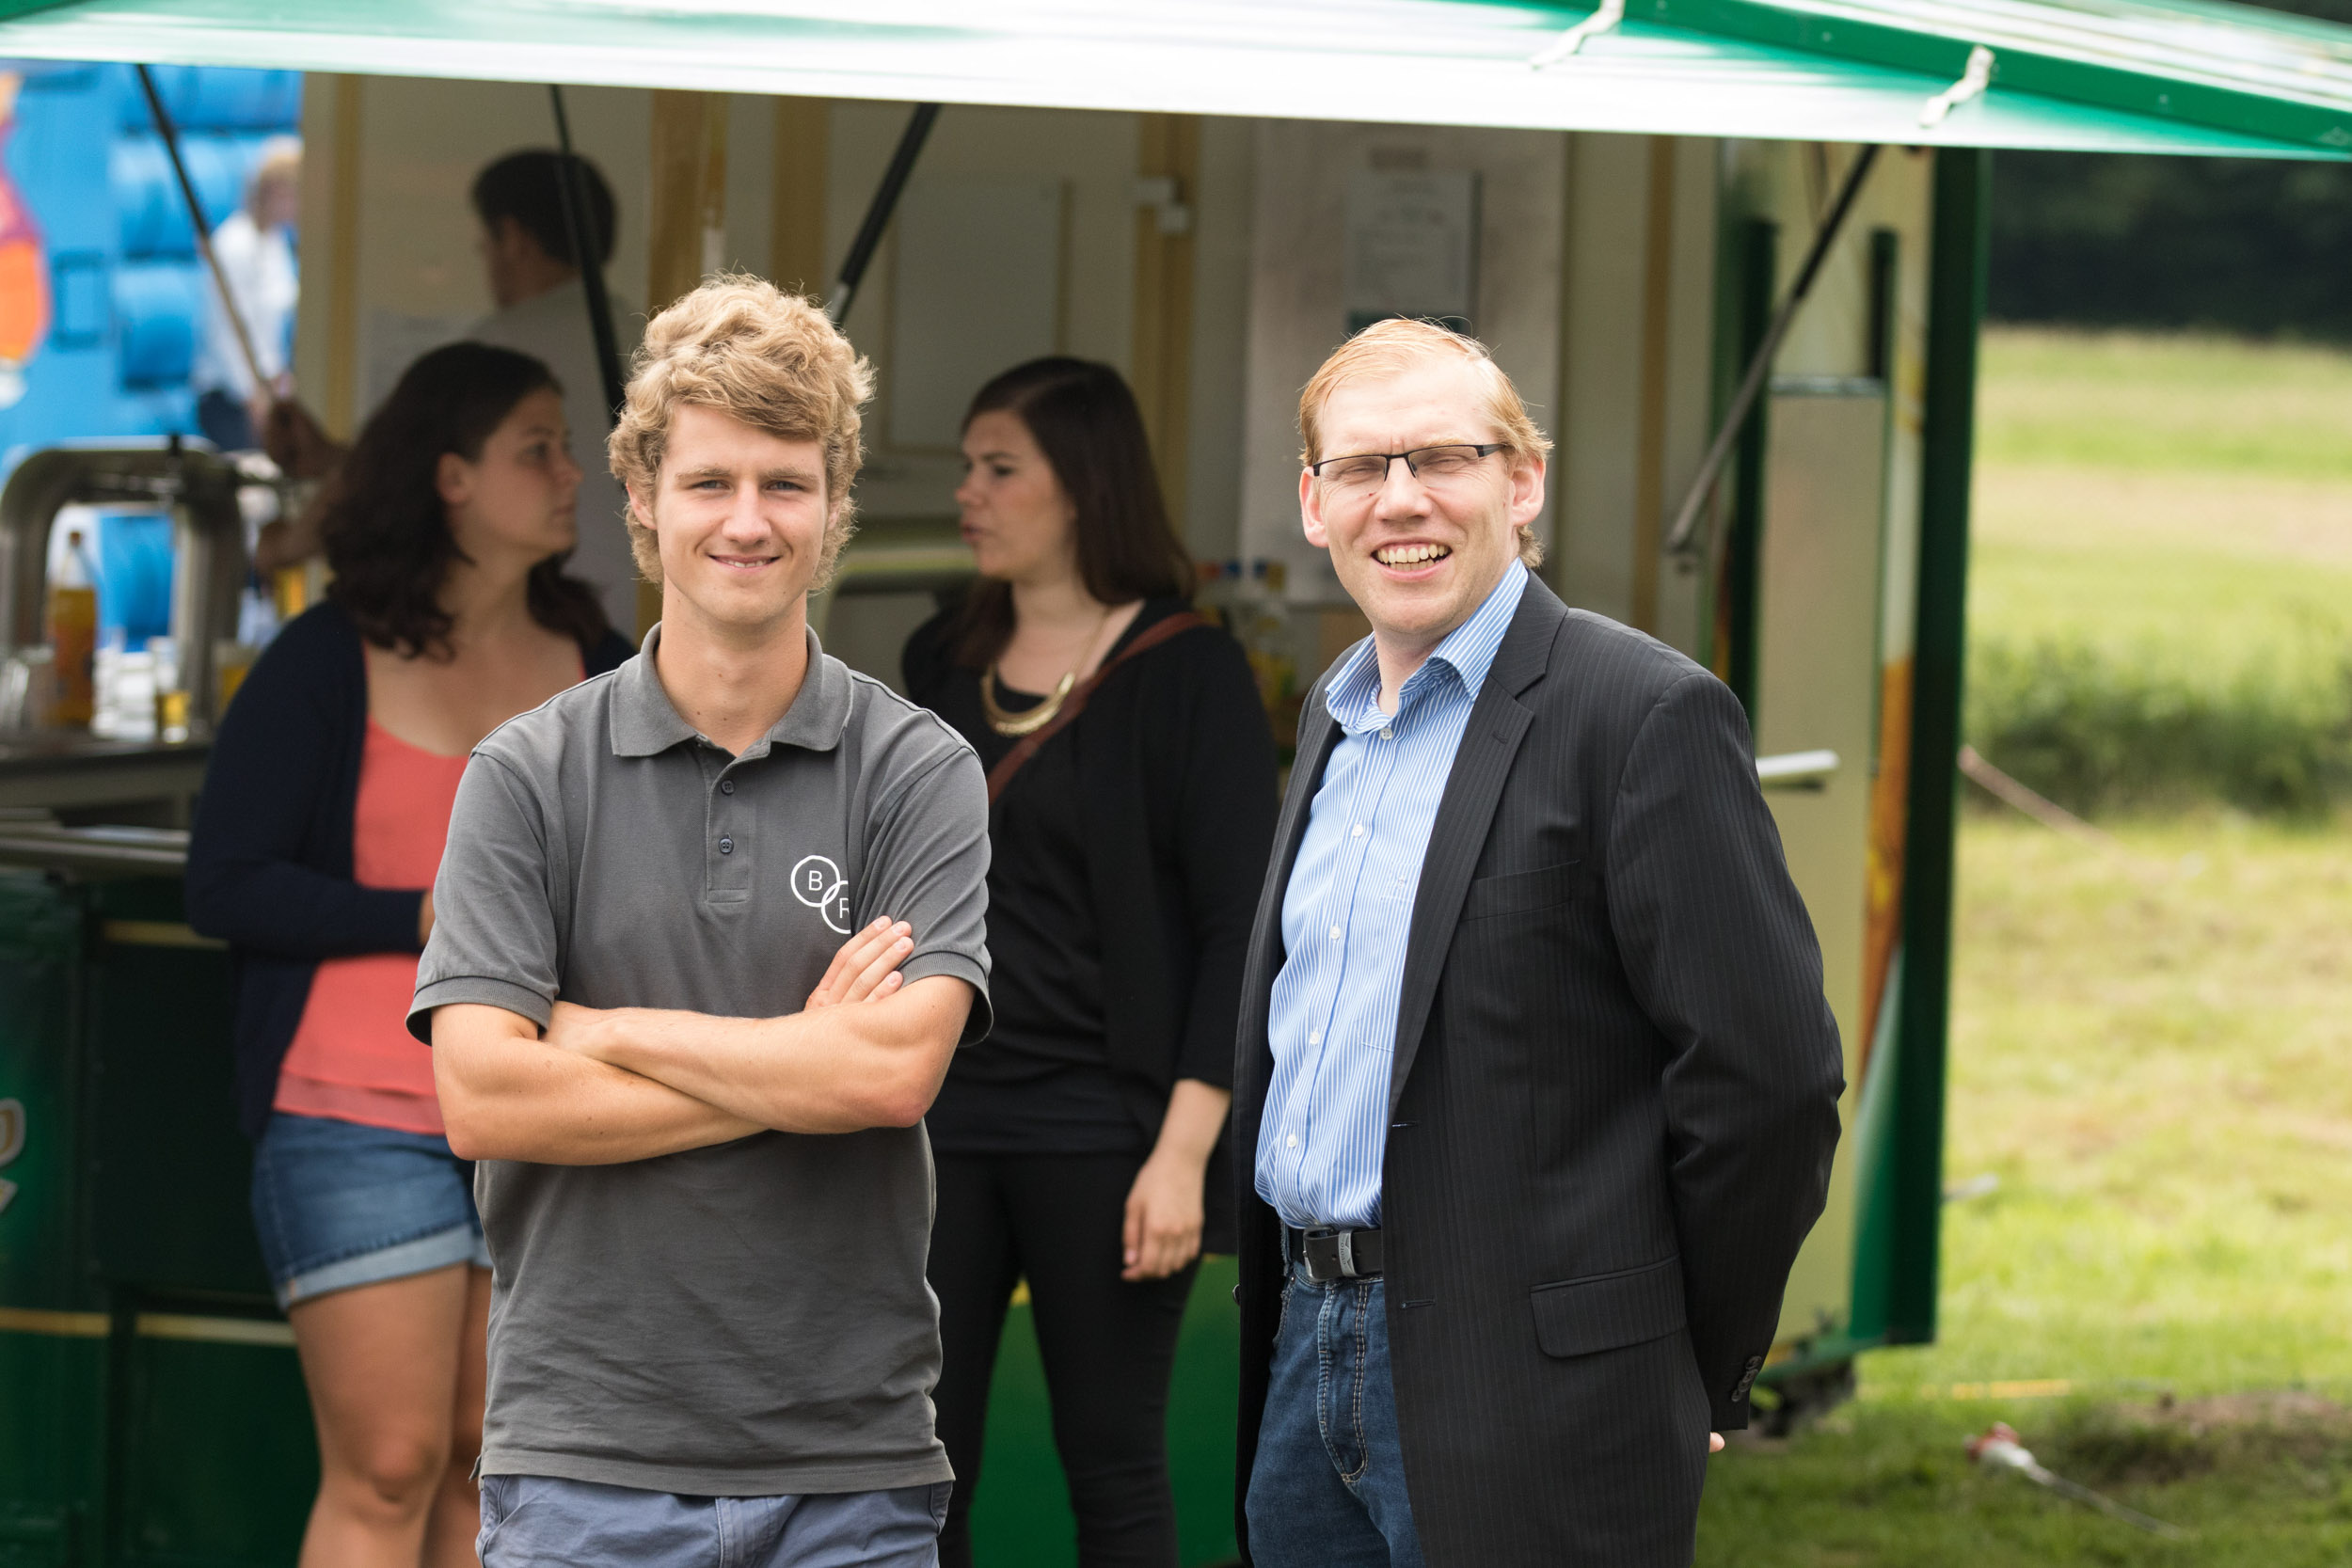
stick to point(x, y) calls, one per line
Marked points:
point(1412, 246)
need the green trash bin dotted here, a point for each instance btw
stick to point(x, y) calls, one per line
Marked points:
point(154, 1412)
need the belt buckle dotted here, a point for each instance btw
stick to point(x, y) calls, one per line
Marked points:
point(1342, 1251)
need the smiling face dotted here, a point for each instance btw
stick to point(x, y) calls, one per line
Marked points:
point(519, 497)
point(1419, 555)
point(738, 515)
point(1014, 513)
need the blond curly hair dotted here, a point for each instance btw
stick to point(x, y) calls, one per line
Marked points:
point(774, 360)
point(1385, 348)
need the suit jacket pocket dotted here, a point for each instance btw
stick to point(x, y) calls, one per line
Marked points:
point(1518, 890)
point(1607, 1311)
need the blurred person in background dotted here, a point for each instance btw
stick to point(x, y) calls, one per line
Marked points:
point(317, 841)
point(541, 310)
point(254, 246)
point(1131, 775)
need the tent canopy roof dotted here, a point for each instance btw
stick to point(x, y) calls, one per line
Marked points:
point(2112, 75)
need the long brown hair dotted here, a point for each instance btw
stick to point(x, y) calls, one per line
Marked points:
point(386, 530)
point(1085, 420)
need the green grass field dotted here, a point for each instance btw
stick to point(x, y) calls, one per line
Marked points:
point(2161, 594)
point(2183, 497)
point(2150, 1048)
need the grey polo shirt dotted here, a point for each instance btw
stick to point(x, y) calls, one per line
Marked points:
point(749, 1318)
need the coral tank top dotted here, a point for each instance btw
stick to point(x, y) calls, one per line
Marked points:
point(352, 1058)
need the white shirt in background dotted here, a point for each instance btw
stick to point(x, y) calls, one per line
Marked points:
point(259, 267)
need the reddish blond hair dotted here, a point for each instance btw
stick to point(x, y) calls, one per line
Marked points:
point(775, 361)
point(1387, 347)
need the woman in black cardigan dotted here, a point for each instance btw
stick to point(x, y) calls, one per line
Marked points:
point(320, 822)
point(1074, 1145)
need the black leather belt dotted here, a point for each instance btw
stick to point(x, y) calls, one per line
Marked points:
point(1333, 1254)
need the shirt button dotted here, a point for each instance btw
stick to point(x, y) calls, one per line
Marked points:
point(1335, 933)
point(1315, 1038)
point(1360, 829)
point(726, 846)
point(1294, 1140)
point(1388, 732)
point(727, 786)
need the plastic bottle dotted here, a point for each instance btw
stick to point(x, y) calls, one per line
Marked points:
point(1259, 620)
point(73, 632)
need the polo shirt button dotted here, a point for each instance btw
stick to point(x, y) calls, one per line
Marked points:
point(727, 786)
point(726, 846)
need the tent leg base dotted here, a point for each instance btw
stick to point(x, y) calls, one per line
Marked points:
point(1804, 1398)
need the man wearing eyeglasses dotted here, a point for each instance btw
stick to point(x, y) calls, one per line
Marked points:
point(1534, 1055)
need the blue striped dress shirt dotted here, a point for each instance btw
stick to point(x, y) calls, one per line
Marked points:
point(1346, 917)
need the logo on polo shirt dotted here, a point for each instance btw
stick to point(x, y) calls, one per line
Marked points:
point(818, 883)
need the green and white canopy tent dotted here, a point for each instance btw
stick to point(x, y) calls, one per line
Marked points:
point(2106, 76)
point(1953, 78)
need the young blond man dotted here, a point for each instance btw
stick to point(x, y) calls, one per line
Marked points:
point(698, 1108)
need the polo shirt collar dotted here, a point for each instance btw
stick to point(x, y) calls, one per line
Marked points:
point(645, 723)
point(819, 715)
point(1469, 652)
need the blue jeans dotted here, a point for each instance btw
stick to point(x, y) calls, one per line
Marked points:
point(542, 1522)
point(1327, 1488)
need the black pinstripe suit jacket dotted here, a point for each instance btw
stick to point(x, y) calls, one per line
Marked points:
point(1614, 1105)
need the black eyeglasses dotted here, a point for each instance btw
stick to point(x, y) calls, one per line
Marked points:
point(1369, 470)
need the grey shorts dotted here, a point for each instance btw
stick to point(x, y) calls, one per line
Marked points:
point(541, 1522)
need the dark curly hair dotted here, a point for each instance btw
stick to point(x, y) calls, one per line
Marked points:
point(386, 528)
point(1085, 420)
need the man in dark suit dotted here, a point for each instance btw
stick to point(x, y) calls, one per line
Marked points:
point(1535, 1062)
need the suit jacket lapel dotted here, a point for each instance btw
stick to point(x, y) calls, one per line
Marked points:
point(1473, 787)
point(1253, 1068)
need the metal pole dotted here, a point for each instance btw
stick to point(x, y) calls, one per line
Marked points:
point(203, 236)
point(571, 189)
point(1760, 367)
point(878, 212)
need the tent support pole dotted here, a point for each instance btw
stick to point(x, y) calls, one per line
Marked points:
point(171, 134)
point(885, 202)
point(1685, 523)
point(1956, 285)
point(571, 189)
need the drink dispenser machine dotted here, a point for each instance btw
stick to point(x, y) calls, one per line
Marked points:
point(198, 488)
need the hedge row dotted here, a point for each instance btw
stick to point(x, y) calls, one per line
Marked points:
point(2096, 733)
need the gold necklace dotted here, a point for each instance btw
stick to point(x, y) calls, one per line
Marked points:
point(1022, 724)
point(1038, 717)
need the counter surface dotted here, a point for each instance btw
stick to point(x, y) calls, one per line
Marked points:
point(66, 771)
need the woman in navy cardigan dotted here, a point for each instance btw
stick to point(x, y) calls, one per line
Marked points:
point(316, 839)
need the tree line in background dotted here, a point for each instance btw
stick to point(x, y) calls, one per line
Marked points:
point(2249, 245)
point(2255, 247)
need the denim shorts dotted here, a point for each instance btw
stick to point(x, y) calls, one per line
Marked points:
point(337, 1205)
